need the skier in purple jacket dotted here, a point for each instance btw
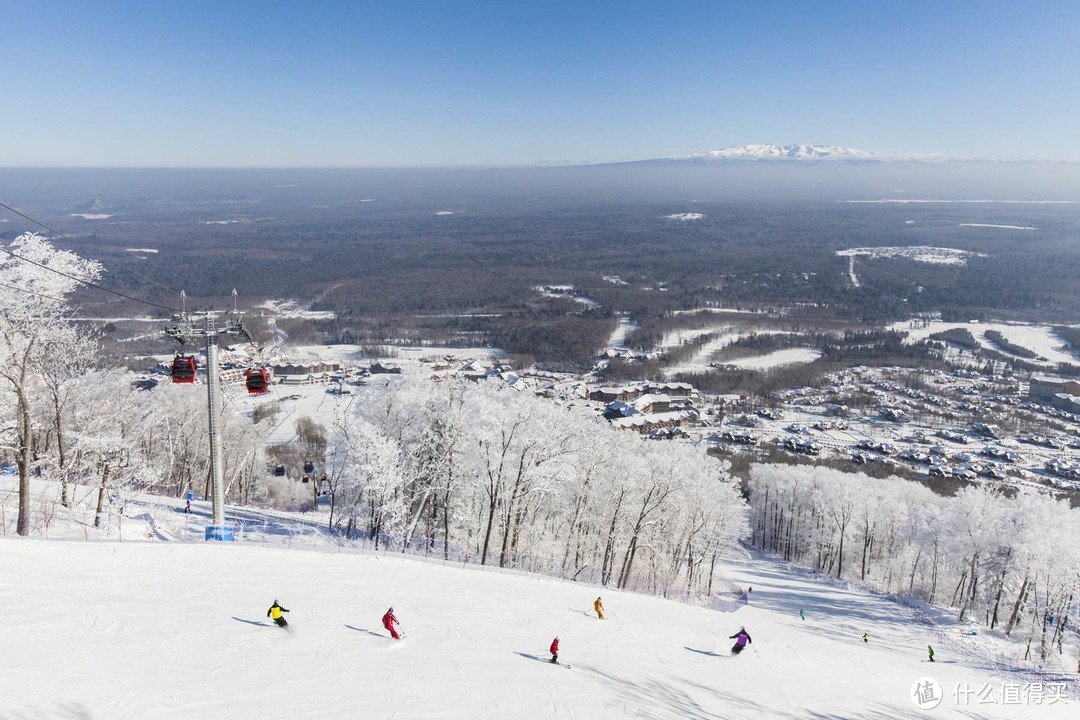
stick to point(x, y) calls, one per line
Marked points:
point(741, 639)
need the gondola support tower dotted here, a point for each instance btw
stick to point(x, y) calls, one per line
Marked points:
point(207, 326)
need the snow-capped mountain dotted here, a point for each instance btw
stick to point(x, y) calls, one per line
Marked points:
point(789, 152)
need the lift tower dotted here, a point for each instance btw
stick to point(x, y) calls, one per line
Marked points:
point(209, 326)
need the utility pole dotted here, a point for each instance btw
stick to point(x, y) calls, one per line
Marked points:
point(209, 326)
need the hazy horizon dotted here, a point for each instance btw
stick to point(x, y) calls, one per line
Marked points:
point(675, 182)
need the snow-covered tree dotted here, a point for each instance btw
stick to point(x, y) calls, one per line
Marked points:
point(508, 475)
point(997, 558)
point(36, 280)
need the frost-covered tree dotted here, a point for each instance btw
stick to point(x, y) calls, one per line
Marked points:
point(499, 474)
point(995, 558)
point(36, 281)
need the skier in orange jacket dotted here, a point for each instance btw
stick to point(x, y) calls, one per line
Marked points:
point(599, 608)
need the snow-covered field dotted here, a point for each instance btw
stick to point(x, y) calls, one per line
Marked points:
point(715, 310)
point(778, 358)
point(618, 336)
point(178, 630)
point(727, 335)
point(1040, 339)
point(917, 253)
point(1000, 227)
point(293, 309)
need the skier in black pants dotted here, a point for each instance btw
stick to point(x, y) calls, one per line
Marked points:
point(275, 613)
point(741, 639)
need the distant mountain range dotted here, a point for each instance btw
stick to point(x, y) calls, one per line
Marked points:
point(800, 153)
point(830, 154)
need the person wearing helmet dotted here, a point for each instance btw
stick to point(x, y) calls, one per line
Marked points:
point(599, 608)
point(741, 638)
point(389, 621)
point(275, 614)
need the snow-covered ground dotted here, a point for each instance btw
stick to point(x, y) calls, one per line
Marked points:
point(293, 309)
point(791, 356)
point(725, 336)
point(1040, 339)
point(618, 336)
point(1000, 227)
point(566, 291)
point(179, 630)
point(715, 310)
point(917, 253)
point(851, 272)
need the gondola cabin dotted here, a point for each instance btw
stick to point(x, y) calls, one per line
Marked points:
point(257, 381)
point(183, 369)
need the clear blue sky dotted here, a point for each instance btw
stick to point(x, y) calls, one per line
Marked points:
point(403, 83)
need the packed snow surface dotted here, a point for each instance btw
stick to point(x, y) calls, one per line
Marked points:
point(177, 630)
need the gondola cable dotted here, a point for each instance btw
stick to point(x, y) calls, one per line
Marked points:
point(87, 282)
point(72, 241)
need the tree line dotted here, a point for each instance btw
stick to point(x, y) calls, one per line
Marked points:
point(1009, 563)
point(481, 473)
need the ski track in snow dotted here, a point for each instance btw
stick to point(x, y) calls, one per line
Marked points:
point(178, 630)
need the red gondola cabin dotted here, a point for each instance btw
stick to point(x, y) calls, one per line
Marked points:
point(257, 381)
point(183, 369)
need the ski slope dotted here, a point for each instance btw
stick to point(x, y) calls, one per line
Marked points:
point(154, 629)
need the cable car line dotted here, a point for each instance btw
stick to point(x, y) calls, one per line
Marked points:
point(71, 240)
point(87, 282)
point(31, 292)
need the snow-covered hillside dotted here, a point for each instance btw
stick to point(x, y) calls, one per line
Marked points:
point(178, 630)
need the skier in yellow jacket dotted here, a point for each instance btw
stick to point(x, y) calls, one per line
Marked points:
point(274, 613)
point(599, 608)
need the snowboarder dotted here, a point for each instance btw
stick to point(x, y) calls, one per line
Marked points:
point(599, 608)
point(187, 507)
point(388, 622)
point(275, 613)
point(802, 614)
point(741, 639)
point(865, 637)
point(555, 650)
point(930, 650)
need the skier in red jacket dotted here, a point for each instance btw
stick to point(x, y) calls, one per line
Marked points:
point(388, 622)
point(555, 650)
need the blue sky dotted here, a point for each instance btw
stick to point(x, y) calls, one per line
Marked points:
point(509, 83)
